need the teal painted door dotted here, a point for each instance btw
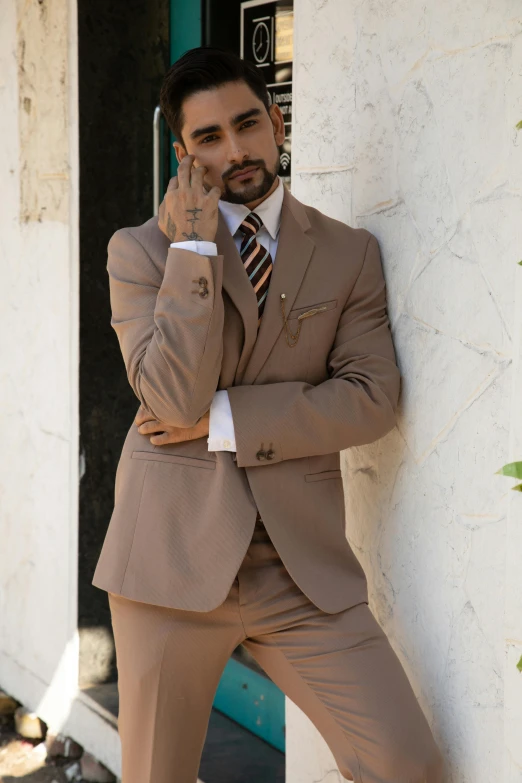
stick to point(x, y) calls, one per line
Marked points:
point(185, 33)
point(245, 694)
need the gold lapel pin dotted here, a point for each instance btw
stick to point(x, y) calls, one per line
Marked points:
point(295, 337)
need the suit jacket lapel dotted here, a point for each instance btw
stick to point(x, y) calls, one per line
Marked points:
point(294, 251)
point(239, 288)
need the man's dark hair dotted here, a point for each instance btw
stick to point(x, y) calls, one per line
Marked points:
point(205, 68)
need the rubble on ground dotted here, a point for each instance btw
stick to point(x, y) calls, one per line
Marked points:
point(29, 750)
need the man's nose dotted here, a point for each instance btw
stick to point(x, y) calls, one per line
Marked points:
point(237, 153)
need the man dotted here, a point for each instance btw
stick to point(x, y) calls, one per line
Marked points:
point(255, 335)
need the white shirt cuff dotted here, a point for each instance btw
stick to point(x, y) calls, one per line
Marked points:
point(201, 246)
point(221, 434)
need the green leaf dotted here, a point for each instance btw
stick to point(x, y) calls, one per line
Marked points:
point(519, 664)
point(518, 126)
point(518, 487)
point(513, 469)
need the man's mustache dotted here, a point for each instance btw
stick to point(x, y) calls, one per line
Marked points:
point(260, 164)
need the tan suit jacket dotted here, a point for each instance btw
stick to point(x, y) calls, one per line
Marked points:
point(186, 323)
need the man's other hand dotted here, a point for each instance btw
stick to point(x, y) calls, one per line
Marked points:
point(147, 425)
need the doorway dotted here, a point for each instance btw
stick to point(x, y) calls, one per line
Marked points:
point(124, 50)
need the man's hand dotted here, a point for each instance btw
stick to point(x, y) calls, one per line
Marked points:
point(189, 210)
point(147, 424)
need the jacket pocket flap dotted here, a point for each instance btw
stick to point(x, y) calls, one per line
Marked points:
point(194, 462)
point(320, 307)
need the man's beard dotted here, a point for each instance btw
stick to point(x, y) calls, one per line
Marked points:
point(252, 192)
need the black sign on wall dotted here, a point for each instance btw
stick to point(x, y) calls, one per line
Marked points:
point(267, 42)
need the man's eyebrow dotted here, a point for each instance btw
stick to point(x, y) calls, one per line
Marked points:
point(245, 115)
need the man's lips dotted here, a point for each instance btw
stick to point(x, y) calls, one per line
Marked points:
point(244, 173)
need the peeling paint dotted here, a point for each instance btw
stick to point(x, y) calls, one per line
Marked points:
point(44, 117)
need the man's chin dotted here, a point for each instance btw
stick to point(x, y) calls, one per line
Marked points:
point(244, 192)
point(243, 195)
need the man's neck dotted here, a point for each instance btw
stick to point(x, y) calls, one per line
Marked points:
point(253, 204)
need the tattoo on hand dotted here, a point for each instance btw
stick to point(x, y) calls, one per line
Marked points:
point(171, 229)
point(193, 234)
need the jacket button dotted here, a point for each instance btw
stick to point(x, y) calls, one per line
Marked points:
point(260, 455)
point(269, 454)
point(204, 293)
point(203, 281)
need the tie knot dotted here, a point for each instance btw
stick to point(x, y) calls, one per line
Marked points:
point(251, 224)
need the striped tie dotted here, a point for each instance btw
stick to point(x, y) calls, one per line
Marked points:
point(256, 259)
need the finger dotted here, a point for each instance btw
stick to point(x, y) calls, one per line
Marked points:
point(184, 171)
point(141, 416)
point(173, 184)
point(151, 426)
point(208, 189)
point(214, 193)
point(197, 176)
point(164, 438)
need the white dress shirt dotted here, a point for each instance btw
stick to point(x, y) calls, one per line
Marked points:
point(221, 435)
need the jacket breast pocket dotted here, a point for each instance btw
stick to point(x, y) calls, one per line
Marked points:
point(324, 474)
point(180, 459)
point(312, 310)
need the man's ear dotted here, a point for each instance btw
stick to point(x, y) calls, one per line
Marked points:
point(278, 123)
point(180, 151)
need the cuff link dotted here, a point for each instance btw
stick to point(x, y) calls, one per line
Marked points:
point(265, 454)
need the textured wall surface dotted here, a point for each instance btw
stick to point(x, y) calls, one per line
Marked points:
point(39, 355)
point(404, 123)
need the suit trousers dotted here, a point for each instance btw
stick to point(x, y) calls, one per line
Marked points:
point(340, 669)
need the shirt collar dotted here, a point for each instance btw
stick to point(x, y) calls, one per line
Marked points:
point(268, 210)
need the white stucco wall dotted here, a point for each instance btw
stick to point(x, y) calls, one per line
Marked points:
point(39, 355)
point(404, 123)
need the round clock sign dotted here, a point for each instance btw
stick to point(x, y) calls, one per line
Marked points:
point(261, 42)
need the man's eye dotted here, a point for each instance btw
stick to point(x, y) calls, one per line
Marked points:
point(254, 122)
point(208, 137)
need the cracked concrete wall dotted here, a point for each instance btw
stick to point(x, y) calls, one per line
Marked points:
point(404, 123)
point(39, 350)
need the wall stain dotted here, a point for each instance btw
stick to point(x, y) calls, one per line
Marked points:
point(42, 49)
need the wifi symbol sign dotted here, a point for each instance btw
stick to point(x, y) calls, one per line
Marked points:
point(284, 160)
